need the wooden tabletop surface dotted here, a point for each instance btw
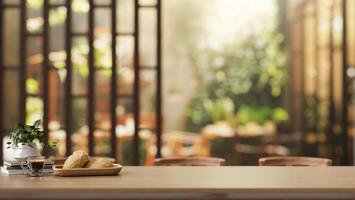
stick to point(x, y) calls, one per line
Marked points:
point(190, 182)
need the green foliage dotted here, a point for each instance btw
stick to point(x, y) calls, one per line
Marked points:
point(80, 6)
point(34, 4)
point(197, 114)
point(127, 152)
point(220, 109)
point(25, 134)
point(58, 58)
point(260, 114)
point(34, 108)
point(57, 16)
point(250, 70)
point(280, 115)
point(32, 86)
point(79, 58)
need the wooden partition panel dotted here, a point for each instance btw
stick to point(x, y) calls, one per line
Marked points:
point(324, 65)
point(44, 67)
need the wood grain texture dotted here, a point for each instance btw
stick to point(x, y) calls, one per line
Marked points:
point(190, 183)
point(109, 171)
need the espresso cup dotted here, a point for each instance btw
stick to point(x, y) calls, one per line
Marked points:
point(35, 165)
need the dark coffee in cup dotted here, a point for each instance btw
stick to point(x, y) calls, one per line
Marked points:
point(36, 164)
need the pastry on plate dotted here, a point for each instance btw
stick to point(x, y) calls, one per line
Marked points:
point(99, 163)
point(77, 160)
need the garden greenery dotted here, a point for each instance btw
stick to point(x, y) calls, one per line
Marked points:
point(250, 71)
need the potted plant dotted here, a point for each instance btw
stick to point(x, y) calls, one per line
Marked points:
point(23, 139)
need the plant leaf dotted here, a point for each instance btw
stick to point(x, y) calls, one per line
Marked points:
point(23, 134)
point(37, 123)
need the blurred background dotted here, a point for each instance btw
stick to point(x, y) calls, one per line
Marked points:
point(228, 78)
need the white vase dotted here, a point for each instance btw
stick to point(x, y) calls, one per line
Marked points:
point(26, 150)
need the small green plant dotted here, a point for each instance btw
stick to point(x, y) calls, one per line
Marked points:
point(220, 110)
point(26, 134)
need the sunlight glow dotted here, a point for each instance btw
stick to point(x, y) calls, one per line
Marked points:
point(231, 17)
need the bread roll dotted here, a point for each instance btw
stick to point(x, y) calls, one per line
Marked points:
point(99, 163)
point(77, 160)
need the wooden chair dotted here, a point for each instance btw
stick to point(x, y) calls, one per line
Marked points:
point(294, 161)
point(190, 161)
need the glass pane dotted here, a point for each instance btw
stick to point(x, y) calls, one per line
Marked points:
point(102, 41)
point(124, 111)
point(125, 50)
point(57, 78)
point(59, 137)
point(147, 2)
point(58, 2)
point(125, 16)
point(102, 21)
point(34, 50)
point(34, 16)
point(80, 17)
point(124, 130)
point(34, 66)
point(125, 150)
point(125, 46)
point(103, 99)
point(147, 37)
point(57, 19)
point(79, 123)
point(125, 81)
point(103, 53)
point(80, 52)
point(102, 142)
point(57, 55)
point(34, 4)
point(34, 109)
point(12, 2)
point(79, 83)
point(79, 115)
point(11, 33)
point(148, 99)
point(102, 2)
point(148, 115)
point(11, 98)
point(56, 98)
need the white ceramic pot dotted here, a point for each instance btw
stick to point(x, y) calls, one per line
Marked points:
point(27, 150)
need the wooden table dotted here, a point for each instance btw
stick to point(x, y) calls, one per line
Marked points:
point(190, 183)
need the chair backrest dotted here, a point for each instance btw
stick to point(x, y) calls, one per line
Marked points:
point(190, 161)
point(294, 161)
